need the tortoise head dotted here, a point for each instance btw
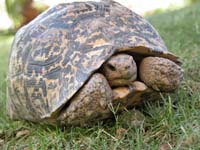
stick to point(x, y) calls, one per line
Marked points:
point(120, 69)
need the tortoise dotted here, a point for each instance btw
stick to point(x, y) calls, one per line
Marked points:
point(76, 61)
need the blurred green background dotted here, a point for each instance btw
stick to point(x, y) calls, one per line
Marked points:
point(16, 13)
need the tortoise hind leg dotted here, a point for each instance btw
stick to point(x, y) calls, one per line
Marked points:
point(90, 104)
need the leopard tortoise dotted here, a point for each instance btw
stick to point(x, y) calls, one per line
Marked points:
point(74, 61)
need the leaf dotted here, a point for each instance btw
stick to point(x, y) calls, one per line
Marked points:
point(22, 133)
point(120, 133)
point(1, 142)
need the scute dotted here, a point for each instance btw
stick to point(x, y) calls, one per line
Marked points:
point(53, 56)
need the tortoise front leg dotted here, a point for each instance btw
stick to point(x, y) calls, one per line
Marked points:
point(90, 104)
point(160, 74)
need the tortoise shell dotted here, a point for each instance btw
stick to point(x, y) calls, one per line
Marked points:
point(54, 55)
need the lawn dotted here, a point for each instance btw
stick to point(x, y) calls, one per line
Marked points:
point(173, 124)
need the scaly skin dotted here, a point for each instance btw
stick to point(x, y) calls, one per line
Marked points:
point(120, 70)
point(90, 103)
point(160, 74)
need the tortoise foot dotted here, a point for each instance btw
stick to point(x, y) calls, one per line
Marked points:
point(134, 94)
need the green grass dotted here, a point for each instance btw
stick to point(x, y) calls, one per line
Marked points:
point(174, 124)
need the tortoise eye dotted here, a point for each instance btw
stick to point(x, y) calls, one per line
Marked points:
point(111, 67)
